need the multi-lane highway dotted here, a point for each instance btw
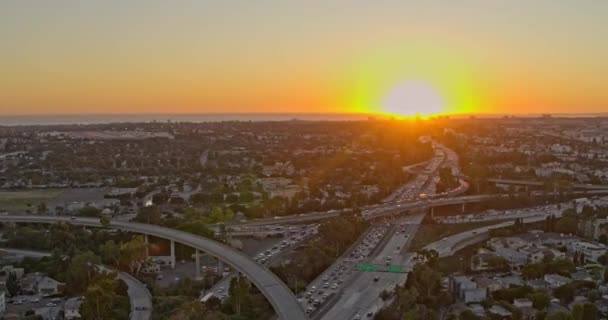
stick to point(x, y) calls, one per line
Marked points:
point(267, 256)
point(361, 295)
point(280, 297)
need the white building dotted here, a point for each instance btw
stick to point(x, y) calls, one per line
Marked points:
point(591, 251)
point(555, 280)
point(72, 309)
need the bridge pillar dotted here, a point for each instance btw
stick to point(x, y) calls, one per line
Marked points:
point(197, 264)
point(463, 207)
point(220, 267)
point(146, 243)
point(172, 254)
point(432, 212)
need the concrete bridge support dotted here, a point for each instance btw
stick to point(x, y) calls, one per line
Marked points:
point(172, 254)
point(197, 264)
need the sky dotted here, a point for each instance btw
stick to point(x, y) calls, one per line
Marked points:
point(243, 56)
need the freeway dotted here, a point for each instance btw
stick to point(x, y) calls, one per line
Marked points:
point(535, 183)
point(382, 210)
point(280, 297)
point(361, 294)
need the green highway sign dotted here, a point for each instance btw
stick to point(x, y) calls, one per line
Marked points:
point(394, 268)
point(366, 267)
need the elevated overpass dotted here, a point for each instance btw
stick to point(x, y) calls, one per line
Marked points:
point(381, 210)
point(535, 183)
point(280, 297)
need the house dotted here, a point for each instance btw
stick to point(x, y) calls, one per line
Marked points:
point(538, 284)
point(71, 309)
point(48, 286)
point(510, 280)
point(48, 313)
point(522, 303)
point(466, 290)
point(555, 307)
point(555, 280)
point(581, 275)
point(474, 295)
point(481, 261)
point(36, 283)
point(489, 284)
point(500, 312)
point(591, 251)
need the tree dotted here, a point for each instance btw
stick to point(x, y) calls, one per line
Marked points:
point(239, 290)
point(81, 269)
point(191, 310)
point(42, 208)
point(89, 211)
point(12, 285)
point(560, 315)
point(133, 253)
point(105, 222)
point(567, 225)
point(99, 299)
point(585, 311)
point(110, 253)
point(150, 214)
point(426, 256)
point(540, 300)
point(196, 227)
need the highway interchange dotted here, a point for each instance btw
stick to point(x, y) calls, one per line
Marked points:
point(347, 293)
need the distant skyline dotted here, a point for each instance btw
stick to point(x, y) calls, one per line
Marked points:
point(396, 57)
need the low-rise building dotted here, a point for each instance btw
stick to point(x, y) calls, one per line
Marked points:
point(591, 251)
point(36, 283)
point(71, 309)
point(555, 280)
point(522, 303)
point(467, 290)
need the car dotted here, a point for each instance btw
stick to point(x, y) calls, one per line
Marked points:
point(141, 308)
point(309, 310)
point(376, 278)
point(357, 317)
point(51, 304)
point(370, 314)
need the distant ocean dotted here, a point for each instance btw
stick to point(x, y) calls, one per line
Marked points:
point(217, 117)
point(200, 117)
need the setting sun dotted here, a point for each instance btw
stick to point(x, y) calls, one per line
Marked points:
point(415, 78)
point(412, 97)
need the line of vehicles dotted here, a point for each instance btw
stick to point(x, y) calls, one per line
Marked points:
point(330, 281)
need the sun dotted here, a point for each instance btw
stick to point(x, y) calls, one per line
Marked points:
point(412, 97)
point(415, 78)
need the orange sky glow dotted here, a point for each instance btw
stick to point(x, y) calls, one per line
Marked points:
point(471, 56)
